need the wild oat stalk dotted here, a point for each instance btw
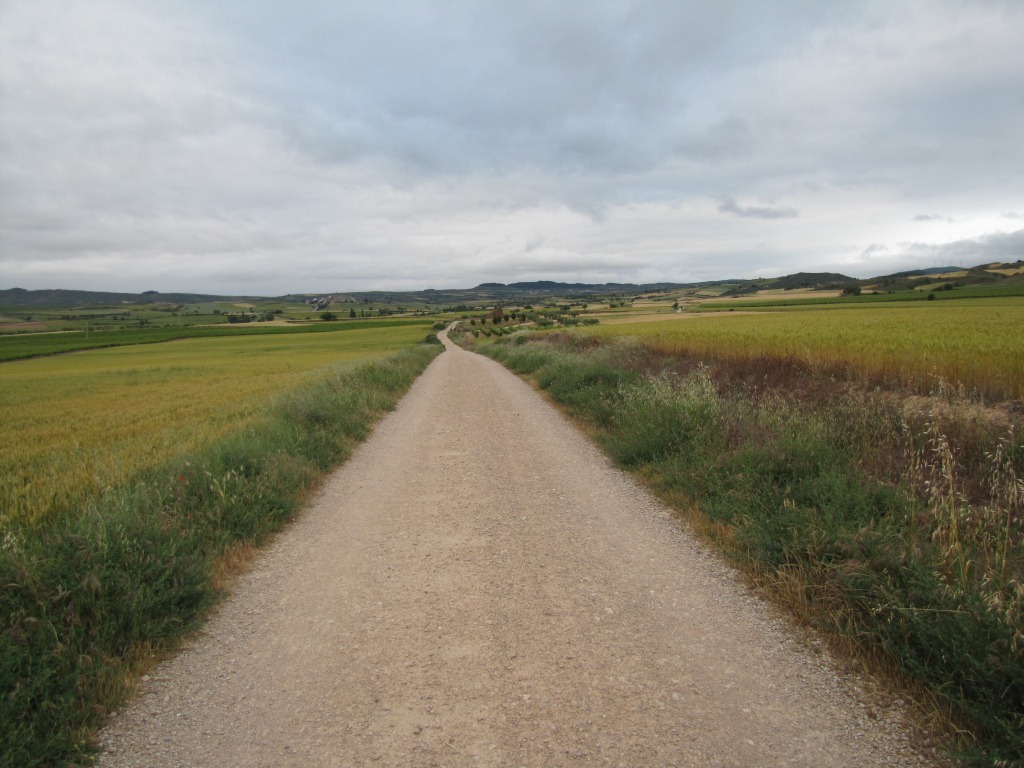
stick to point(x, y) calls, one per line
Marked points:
point(1007, 500)
point(934, 468)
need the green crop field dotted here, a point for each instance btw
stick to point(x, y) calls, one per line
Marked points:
point(20, 346)
point(72, 425)
point(976, 343)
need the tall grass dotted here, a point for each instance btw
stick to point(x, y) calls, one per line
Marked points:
point(87, 592)
point(894, 524)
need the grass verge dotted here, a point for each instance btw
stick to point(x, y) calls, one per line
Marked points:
point(893, 524)
point(88, 594)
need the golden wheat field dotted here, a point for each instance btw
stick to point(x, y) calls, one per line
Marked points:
point(74, 424)
point(977, 343)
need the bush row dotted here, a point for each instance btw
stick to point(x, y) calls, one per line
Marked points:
point(87, 595)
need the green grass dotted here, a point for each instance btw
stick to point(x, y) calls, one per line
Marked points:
point(91, 591)
point(898, 530)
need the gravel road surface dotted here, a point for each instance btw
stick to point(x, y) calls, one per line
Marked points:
point(479, 586)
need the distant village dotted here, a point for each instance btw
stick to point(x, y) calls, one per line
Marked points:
point(322, 302)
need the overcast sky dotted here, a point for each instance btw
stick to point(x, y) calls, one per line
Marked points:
point(257, 147)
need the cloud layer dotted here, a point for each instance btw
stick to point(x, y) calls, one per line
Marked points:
point(264, 147)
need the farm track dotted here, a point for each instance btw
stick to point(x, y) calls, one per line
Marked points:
point(478, 586)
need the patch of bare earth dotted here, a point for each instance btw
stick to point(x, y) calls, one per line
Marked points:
point(9, 326)
point(478, 586)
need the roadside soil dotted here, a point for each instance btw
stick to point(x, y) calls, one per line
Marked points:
point(479, 586)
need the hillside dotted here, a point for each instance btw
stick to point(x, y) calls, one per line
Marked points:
point(799, 280)
point(923, 272)
point(947, 278)
point(544, 290)
point(19, 297)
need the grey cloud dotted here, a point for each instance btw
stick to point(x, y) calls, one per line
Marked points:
point(360, 141)
point(929, 217)
point(998, 246)
point(728, 138)
point(620, 89)
point(533, 243)
point(729, 205)
point(872, 250)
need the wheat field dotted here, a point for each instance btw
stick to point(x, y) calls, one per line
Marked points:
point(72, 425)
point(974, 343)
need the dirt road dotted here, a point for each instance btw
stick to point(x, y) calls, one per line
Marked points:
point(478, 586)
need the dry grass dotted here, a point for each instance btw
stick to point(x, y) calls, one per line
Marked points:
point(235, 561)
point(664, 315)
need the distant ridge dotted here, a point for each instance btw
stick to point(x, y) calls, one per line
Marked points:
point(59, 297)
point(528, 291)
point(811, 280)
point(921, 272)
point(549, 286)
point(823, 281)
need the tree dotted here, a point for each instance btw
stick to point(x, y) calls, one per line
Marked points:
point(327, 316)
point(352, 313)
